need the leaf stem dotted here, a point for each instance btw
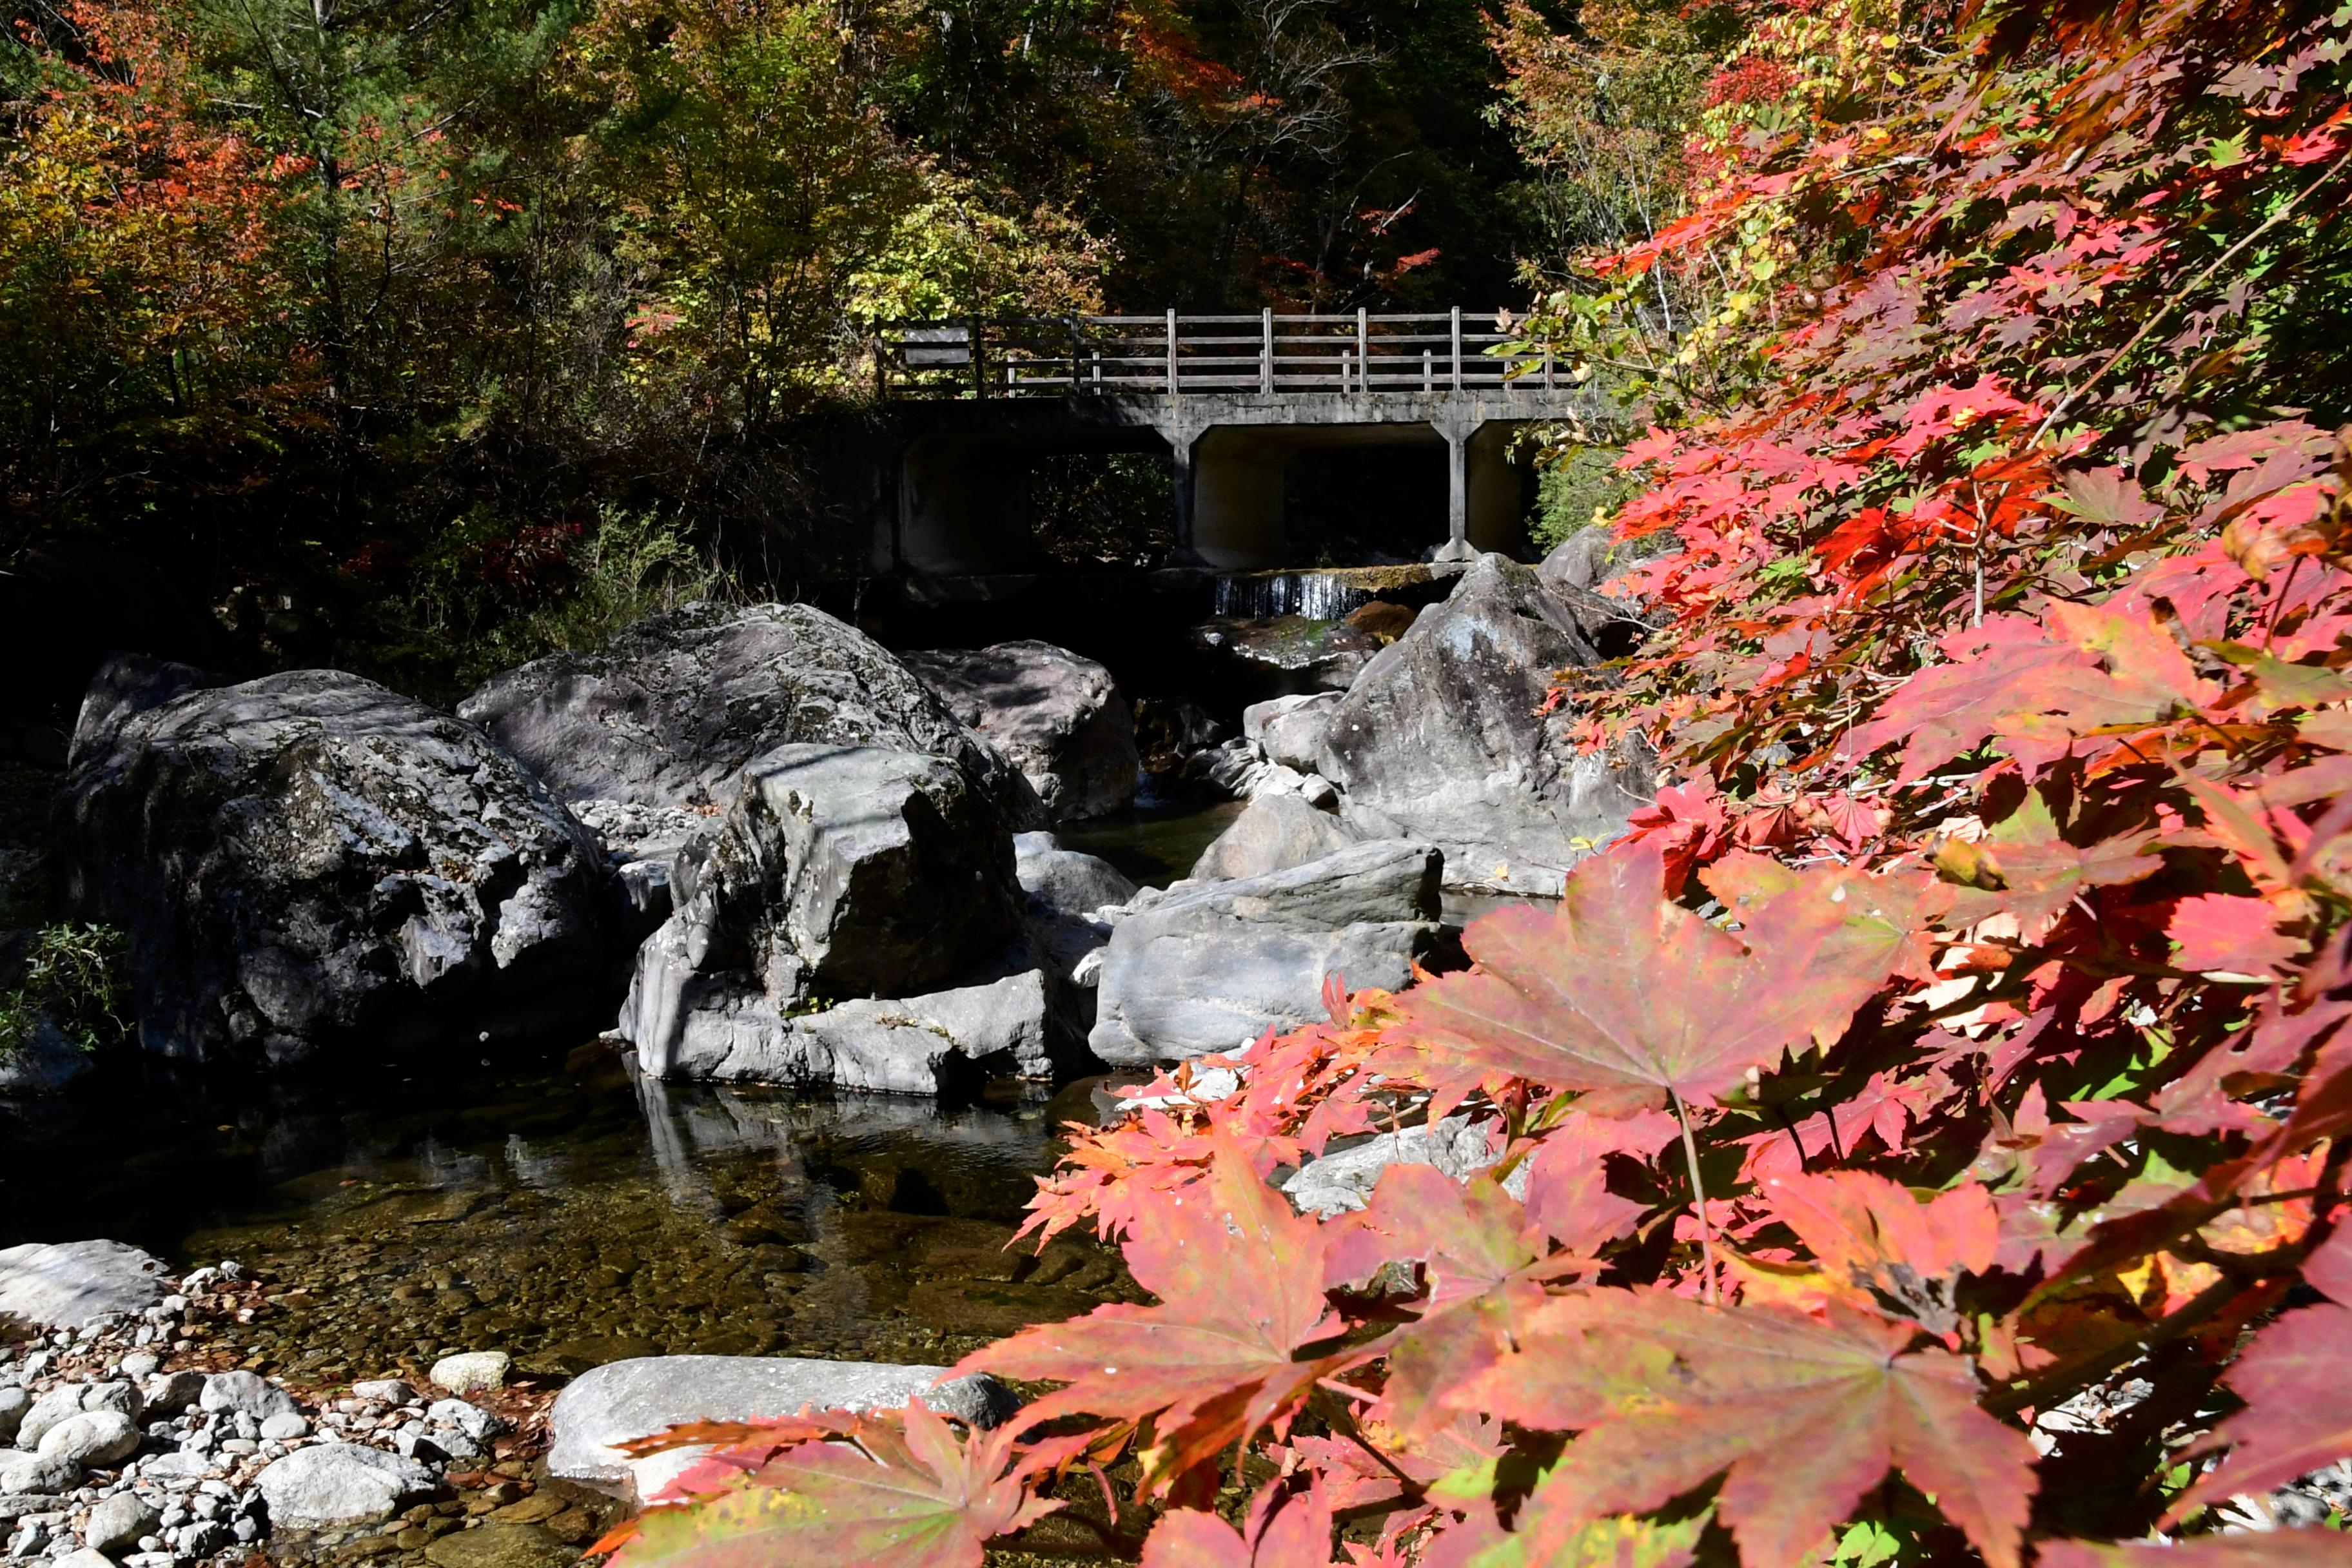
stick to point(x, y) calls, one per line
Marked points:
point(1698, 1191)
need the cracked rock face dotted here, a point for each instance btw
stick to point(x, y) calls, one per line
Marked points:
point(840, 873)
point(1442, 739)
point(1209, 967)
point(310, 860)
point(1058, 717)
point(670, 710)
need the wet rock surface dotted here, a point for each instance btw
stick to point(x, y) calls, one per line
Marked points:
point(1059, 717)
point(307, 860)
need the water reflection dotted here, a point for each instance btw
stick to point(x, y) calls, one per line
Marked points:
point(569, 1212)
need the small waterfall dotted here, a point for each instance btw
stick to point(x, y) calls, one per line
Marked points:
point(1318, 595)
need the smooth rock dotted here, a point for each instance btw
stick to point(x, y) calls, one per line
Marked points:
point(37, 1473)
point(284, 1428)
point(64, 1285)
point(245, 1394)
point(1210, 967)
point(1274, 832)
point(670, 709)
point(1440, 738)
point(14, 1403)
point(1289, 730)
point(842, 872)
point(15, 1506)
point(471, 1371)
point(384, 1390)
point(102, 1437)
point(1058, 717)
point(1063, 879)
point(169, 1392)
point(117, 1522)
point(1343, 1180)
point(624, 1400)
point(51, 1408)
point(309, 859)
point(943, 1042)
point(83, 1558)
point(332, 1484)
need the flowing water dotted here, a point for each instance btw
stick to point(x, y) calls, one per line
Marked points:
point(568, 1212)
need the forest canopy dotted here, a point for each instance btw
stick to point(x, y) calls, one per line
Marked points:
point(383, 308)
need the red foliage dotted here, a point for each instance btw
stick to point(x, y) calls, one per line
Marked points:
point(1910, 1135)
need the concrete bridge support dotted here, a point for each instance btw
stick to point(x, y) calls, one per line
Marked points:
point(963, 507)
point(1229, 513)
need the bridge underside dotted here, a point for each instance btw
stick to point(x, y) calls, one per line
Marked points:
point(962, 489)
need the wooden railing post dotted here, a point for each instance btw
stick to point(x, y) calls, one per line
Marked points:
point(1073, 351)
point(1265, 353)
point(1171, 353)
point(1457, 348)
point(979, 374)
point(1363, 351)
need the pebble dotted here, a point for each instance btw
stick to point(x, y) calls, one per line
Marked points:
point(472, 1372)
point(118, 1523)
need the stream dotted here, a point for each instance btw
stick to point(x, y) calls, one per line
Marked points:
point(564, 1209)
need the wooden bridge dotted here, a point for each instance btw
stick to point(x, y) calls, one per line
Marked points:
point(1232, 396)
point(1169, 356)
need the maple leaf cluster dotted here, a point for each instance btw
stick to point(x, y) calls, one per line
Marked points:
point(1923, 1137)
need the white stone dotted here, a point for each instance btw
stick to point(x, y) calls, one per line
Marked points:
point(245, 1394)
point(93, 1437)
point(67, 1284)
point(472, 1371)
point(118, 1522)
point(625, 1400)
point(284, 1426)
point(472, 1419)
point(339, 1483)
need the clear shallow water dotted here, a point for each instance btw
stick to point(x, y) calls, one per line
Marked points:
point(1155, 844)
point(565, 1211)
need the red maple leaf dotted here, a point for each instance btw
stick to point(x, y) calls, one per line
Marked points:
point(899, 1488)
point(1240, 1282)
point(1802, 1416)
point(1620, 990)
point(2289, 1426)
point(2314, 1548)
point(1290, 1526)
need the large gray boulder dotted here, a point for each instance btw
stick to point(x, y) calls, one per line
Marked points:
point(943, 1043)
point(1289, 730)
point(1440, 738)
point(1066, 879)
point(625, 1400)
point(64, 1285)
point(1058, 717)
point(1276, 831)
point(310, 860)
point(669, 712)
point(1210, 967)
point(841, 872)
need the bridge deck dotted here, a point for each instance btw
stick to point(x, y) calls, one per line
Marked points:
point(1171, 355)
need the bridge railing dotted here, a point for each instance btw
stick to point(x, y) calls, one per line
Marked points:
point(1268, 353)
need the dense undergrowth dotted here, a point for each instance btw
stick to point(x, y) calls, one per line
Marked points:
point(1924, 1139)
